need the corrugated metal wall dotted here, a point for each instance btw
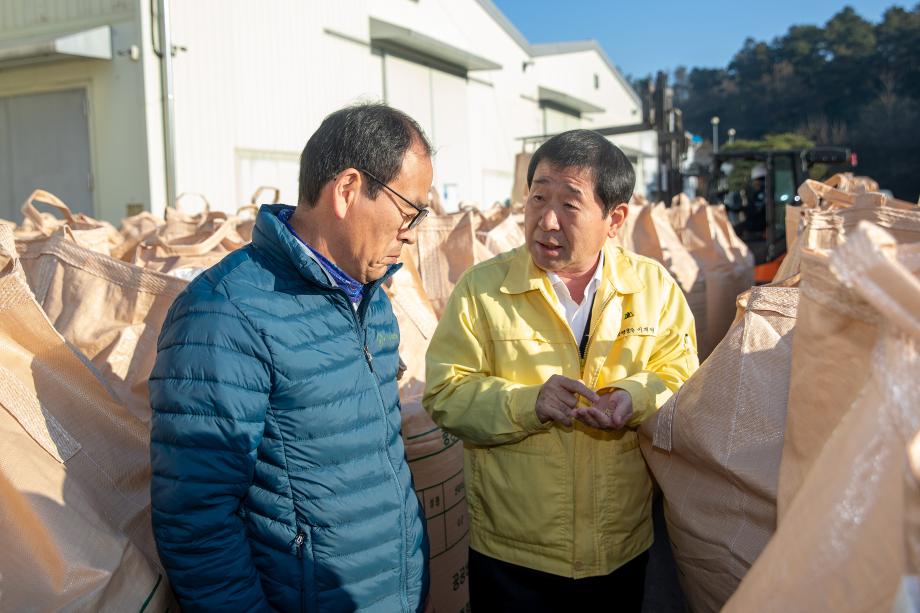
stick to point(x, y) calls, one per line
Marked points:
point(259, 77)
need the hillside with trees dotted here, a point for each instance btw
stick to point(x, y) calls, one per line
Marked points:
point(851, 82)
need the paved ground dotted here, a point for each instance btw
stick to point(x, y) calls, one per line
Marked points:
point(662, 590)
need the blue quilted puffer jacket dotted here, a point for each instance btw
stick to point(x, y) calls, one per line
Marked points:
point(279, 475)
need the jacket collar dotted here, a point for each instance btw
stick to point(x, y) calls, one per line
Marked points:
point(271, 237)
point(524, 276)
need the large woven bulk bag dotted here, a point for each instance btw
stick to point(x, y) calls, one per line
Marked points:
point(835, 334)
point(681, 264)
point(134, 230)
point(715, 449)
point(818, 197)
point(446, 247)
point(725, 261)
point(639, 233)
point(519, 187)
point(849, 182)
point(74, 473)
point(99, 236)
point(435, 457)
point(248, 212)
point(187, 256)
point(504, 236)
point(846, 541)
point(647, 231)
point(110, 310)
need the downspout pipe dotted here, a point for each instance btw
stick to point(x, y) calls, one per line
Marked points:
point(166, 87)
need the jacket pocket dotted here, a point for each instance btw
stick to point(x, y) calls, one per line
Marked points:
point(528, 356)
point(520, 494)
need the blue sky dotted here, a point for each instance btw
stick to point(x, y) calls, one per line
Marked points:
point(642, 37)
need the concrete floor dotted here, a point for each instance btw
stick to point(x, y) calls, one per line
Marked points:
point(662, 589)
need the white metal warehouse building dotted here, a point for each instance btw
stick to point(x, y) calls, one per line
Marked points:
point(82, 113)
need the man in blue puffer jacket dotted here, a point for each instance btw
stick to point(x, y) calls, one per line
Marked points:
point(279, 476)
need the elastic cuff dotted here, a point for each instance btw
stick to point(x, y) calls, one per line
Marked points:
point(523, 406)
point(643, 403)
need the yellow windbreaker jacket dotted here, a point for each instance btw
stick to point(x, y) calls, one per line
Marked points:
point(573, 501)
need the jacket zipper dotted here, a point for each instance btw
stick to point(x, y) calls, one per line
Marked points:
point(298, 544)
point(404, 545)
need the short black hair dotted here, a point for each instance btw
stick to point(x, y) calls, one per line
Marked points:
point(614, 177)
point(368, 136)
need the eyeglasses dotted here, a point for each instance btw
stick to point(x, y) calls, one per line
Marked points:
point(420, 212)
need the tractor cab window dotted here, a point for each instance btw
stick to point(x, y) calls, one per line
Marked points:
point(783, 191)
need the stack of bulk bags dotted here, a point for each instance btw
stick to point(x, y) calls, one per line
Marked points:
point(725, 261)
point(100, 236)
point(110, 310)
point(648, 232)
point(188, 244)
point(847, 536)
point(840, 192)
point(715, 448)
point(134, 230)
point(435, 457)
point(446, 247)
point(74, 473)
point(187, 256)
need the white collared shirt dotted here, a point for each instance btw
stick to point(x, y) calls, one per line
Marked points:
point(575, 313)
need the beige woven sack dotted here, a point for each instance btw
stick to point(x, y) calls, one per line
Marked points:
point(99, 236)
point(446, 247)
point(74, 473)
point(828, 196)
point(111, 310)
point(847, 540)
point(835, 334)
point(647, 231)
point(135, 230)
point(519, 187)
point(715, 449)
point(248, 212)
point(435, 457)
point(849, 182)
point(187, 256)
point(725, 261)
point(504, 236)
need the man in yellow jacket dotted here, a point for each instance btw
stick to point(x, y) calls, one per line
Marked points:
point(545, 361)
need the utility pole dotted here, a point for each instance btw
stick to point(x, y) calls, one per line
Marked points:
point(715, 133)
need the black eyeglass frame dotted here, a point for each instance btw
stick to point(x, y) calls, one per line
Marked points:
point(420, 212)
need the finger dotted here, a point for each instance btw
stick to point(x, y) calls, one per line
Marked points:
point(567, 399)
point(595, 418)
point(562, 417)
point(577, 387)
point(585, 417)
point(621, 416)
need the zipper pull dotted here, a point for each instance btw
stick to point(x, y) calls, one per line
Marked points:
point(369, 357)
point(298, 543)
